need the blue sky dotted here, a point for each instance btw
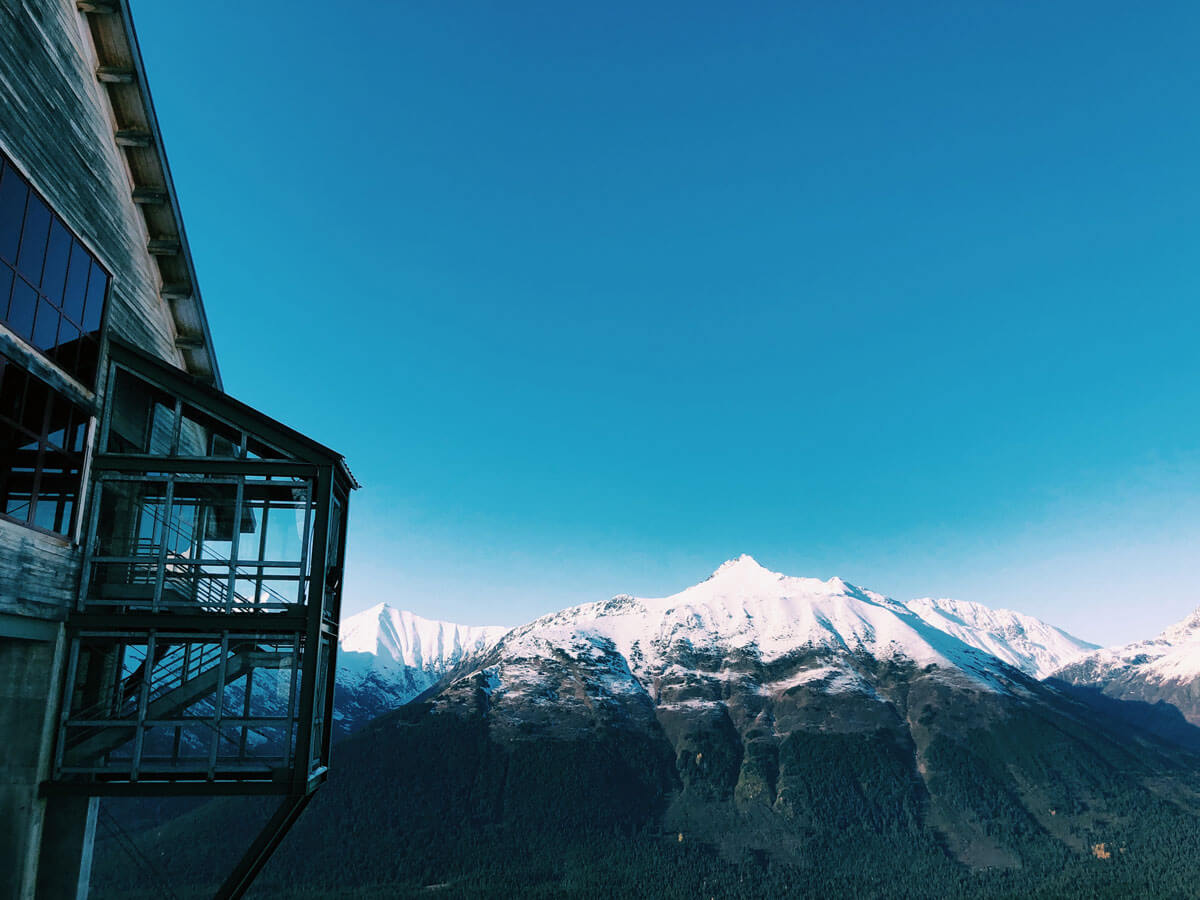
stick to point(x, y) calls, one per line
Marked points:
point(595, 296)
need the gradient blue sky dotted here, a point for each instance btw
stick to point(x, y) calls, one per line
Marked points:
point(595, 296)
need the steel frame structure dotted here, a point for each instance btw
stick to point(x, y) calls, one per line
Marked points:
point(177, 633)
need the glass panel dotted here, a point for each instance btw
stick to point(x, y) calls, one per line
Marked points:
point(22, 308)
point(285, 532)
point(203, 515)
point(316, 757)
point(45, 328)
point(333, 561)
point(33, 239)
point(202, 435)
point(75, 294)
point(13, 193)
point(189, 746)
point(256, 449)
point(108, 677)
point(67, 352)
point(96, 289)
point(98, 748)
point(333, 550)
point(132, 515)
point(179, 662)
point(46, 514)
point(276, 514)
point(54, 266)
point(268, 743)
point(58, 251)
point(272, 688)
point(142, 418)
point(6, 283)
point(279, 590)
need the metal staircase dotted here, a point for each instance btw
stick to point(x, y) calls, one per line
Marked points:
point(195, 678)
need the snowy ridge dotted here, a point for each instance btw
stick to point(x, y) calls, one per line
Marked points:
point(397, 637)
point(1172, 656)
point(387, 656)
point(1029, 644)
point(744, 610)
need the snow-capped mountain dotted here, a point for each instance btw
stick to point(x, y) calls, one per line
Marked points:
point(752, 735)
point(744, 616)
point(1162, 670)
point(741, 612)
point(747, 644)
point(755, 697)
point(1029, 644)
point(387, 656)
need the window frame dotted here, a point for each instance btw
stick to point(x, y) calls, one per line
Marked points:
point(93, 340)
point(63, 378)
point(45, 448)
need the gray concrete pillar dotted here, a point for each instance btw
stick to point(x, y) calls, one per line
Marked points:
point(29, 698)
point(68, 834)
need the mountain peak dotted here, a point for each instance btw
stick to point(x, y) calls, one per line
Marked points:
point(1183, 631)
point(742, 565)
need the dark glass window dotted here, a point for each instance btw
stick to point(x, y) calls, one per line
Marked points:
point(52, 290)
point(13, 194)
point(42, 436)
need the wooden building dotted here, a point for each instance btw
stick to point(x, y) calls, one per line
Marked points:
point(170, 559)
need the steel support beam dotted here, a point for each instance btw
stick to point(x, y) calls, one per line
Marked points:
point(264, 845)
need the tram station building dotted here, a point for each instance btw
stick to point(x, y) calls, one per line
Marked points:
point(170, 558)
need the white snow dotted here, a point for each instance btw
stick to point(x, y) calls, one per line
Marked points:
point(404, 637)
point(715, 632)
point(405, 651)
point(1174, 655)
point(1029, 644)
point(745, 608)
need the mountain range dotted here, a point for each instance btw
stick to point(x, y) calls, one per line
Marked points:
point(753, 735)
point(387, 657)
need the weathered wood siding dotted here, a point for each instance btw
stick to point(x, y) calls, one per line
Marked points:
point(55, 124)
point(39, 573)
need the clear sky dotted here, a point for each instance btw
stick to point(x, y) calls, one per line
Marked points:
point(594, 296)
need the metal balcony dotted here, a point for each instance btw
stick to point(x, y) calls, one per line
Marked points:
point(203, 643)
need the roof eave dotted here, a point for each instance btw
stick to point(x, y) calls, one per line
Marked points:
point(123, 75)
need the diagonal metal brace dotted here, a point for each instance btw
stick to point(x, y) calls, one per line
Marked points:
point(264, 845)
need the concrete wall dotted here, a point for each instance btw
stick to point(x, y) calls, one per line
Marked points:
point(29, 674)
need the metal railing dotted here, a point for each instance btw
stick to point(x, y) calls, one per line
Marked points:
point(196, 587)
